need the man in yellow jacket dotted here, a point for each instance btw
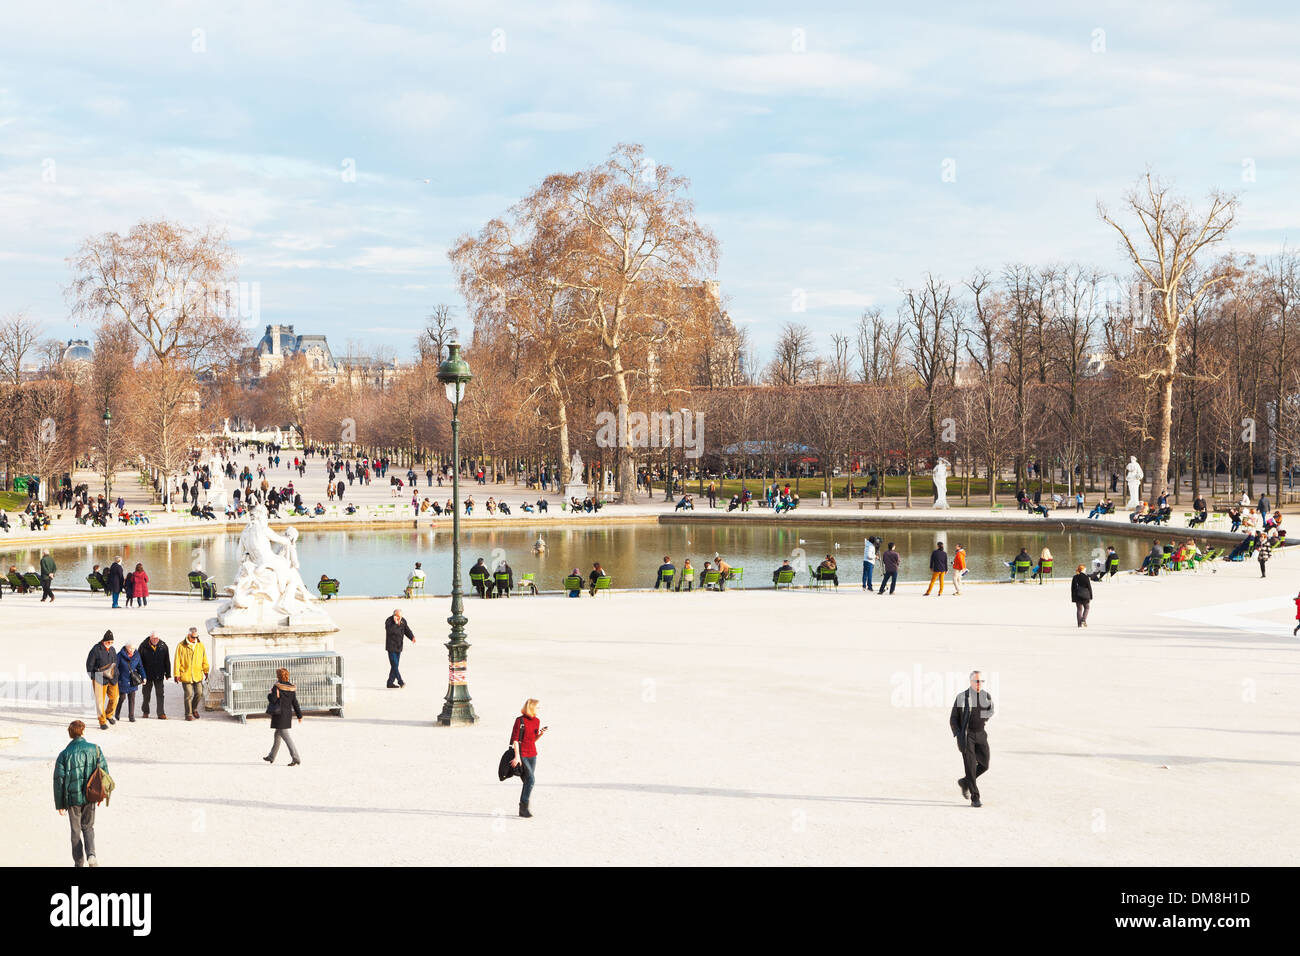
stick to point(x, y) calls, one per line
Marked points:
point(191, 670)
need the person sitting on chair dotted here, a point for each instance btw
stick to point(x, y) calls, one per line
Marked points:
point(596, 572)
point(685, 504)
point(98, 575)
point(734, 503)
point(503, 508)
point(827, 569)
point(415, 579)
point(479, 585)
point(504, 587)
point(207, 586)
point(1023, 556)
point(785, 566)
point(575, 573)
point(724, 570)
point(660, 579)
point(1155, 557)
point(526, 508)
point(687, 576)
point(541, 505)
point(1045, 556)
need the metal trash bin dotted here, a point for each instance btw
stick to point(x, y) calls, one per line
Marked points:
point(318, 676)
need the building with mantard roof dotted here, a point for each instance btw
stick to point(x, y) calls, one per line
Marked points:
point(280, 343)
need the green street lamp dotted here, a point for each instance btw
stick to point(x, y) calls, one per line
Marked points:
point(457, 708)
point(108, 468)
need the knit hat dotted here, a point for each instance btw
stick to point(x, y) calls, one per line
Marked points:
point(108, 636)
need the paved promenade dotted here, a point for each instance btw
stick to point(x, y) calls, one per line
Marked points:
point(734, 728)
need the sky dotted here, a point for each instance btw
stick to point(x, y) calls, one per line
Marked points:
point(839, 151)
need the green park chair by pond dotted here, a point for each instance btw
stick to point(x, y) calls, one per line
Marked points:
point(822, 578)
point(32, 580)
point(573, 584)
point(711, 580)
point(502, 581)
point(528, 582)
point(1022, 569)
point(479, 581)
point(666, 579)
point(16, 582)
point(603, 583)
point(328, 588)
point(1045, 569)
point(785, 578)
point(95, 586)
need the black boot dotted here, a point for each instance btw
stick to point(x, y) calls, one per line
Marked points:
point(523, 809)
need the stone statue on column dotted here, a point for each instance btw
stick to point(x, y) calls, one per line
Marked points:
point(1133, 475)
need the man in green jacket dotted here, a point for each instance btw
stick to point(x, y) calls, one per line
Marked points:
point(74, 767)
point(48, 568)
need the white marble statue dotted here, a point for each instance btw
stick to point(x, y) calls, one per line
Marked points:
point(940, 478)
point(269, 591)
point(1133, 475)
point(575, 468)
point(217, 496)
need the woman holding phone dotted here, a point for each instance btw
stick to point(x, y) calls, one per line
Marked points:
point(523, 738)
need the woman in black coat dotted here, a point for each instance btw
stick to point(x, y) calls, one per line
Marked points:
point(1081, 595)
point(282, 705)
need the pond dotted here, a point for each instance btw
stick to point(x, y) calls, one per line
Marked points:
point(376, 562)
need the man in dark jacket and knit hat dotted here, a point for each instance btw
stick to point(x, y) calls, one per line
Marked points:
point(101, 666)
point(396, 628)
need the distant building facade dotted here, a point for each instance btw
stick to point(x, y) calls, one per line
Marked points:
point(281, 343)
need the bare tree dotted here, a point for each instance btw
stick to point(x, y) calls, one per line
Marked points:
point(793, 360)
point(20, 337)
point(1172, 236)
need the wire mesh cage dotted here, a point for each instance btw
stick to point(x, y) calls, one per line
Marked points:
point(317, 675)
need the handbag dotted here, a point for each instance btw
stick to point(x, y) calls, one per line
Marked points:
point(504, 770)
point(136, 679)
point(273, 703)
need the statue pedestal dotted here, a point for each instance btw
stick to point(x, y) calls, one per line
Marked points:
point(253, 639)
point(576, 489)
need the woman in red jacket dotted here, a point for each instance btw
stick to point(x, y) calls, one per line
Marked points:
point(524, 737)
point(141, 581)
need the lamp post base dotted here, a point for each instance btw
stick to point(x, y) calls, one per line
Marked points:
point(459, 714)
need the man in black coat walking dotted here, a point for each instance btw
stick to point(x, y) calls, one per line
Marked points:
point(396, 628)
point(157, 663)
point(1081, 595)
point(970, 711)
point(115, 579)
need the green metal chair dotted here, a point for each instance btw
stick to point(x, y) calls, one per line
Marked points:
point(529, 582)
point(196, 584)
point(821, 579)
point(32, 580)
point(785, 577)
point(1022, 570)
point(479, 581)
point(602, 584)
point(502, 581)
point(737, 575)
point(1112, 564)
point(16, 582)
point(667, 578)
point(328, 588)
point(711, 580)
point(573, 584)
point(95, 586)
point(688, 579)
point(1044, 569)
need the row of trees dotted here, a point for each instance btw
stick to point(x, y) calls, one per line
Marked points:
point(593, 293)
